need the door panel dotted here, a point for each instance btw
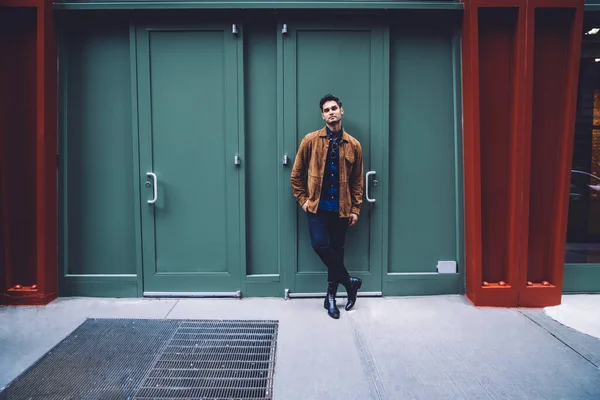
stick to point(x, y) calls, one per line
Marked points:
point(188, 137)
point(338, 61)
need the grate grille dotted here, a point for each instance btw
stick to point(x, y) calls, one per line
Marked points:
point(155, 359)
point(214, 360)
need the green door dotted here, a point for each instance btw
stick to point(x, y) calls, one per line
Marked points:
point(188, 136)
point(347, 61)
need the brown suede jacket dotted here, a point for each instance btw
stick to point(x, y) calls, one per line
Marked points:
point(309, 167)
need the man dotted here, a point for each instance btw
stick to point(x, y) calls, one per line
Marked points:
point(327, 181)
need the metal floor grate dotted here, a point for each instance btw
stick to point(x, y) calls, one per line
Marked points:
point(214, 360)
point(155, 359)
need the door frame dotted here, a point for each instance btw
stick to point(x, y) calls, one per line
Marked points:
point(380, 32)
point(139, 173)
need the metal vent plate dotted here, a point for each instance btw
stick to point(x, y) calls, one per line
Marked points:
point(155, 359)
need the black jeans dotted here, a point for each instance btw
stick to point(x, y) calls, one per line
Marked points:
point(327, 237)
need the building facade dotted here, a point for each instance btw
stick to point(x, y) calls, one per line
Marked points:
point(147, 147)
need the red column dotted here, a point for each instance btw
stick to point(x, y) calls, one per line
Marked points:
point(555, 28)
point(520, 68)
point(28, 135)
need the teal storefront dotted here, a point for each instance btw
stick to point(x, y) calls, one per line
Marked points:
point(178, 130)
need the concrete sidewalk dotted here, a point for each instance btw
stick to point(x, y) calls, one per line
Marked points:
point(437, 347)
point(580, 312)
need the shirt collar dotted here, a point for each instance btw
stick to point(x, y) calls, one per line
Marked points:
point(325, 132)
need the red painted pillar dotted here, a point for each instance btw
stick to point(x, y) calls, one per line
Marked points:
point(493, 36)
point(28, 139)
point(555, 30)
point(520, 68)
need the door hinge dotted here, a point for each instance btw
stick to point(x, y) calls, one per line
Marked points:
point(284, 29)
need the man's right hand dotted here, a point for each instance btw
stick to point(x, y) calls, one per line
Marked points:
point(305, 206)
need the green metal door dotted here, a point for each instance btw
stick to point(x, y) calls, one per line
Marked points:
point(188, 135)
point(349, 62)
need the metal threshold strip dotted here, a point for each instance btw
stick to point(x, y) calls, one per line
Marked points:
point(236, 295)
point(292, 295)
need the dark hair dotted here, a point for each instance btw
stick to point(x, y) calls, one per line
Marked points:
point(329, 97)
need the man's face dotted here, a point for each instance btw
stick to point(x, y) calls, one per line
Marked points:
point(331, 112)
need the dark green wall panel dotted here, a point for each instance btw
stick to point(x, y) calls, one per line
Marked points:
point(263, 160)
point(122, 286)
point(422, 212)
point(581, 278)
point(97, 152)
point(422, 284)
point(268, 289)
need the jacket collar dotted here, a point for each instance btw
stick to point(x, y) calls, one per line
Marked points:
point(323, 133)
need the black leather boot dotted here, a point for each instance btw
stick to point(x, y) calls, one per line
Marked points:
point(334, 288)
point(330, 304)
point(352, 289)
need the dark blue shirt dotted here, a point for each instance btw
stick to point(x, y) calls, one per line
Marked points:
point(330, 193)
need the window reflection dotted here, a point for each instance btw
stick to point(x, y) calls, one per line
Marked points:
point(583, 229)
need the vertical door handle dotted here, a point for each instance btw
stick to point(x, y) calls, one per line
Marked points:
point(153, 176)
point(370, 200)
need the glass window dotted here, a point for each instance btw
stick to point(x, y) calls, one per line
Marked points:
point(583, 228)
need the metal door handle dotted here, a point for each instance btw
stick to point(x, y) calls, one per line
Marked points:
point(153, 176)
point(370, 200)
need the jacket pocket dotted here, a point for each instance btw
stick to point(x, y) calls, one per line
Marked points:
point(349, 157)
point(347, 167)
point(314, 187)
